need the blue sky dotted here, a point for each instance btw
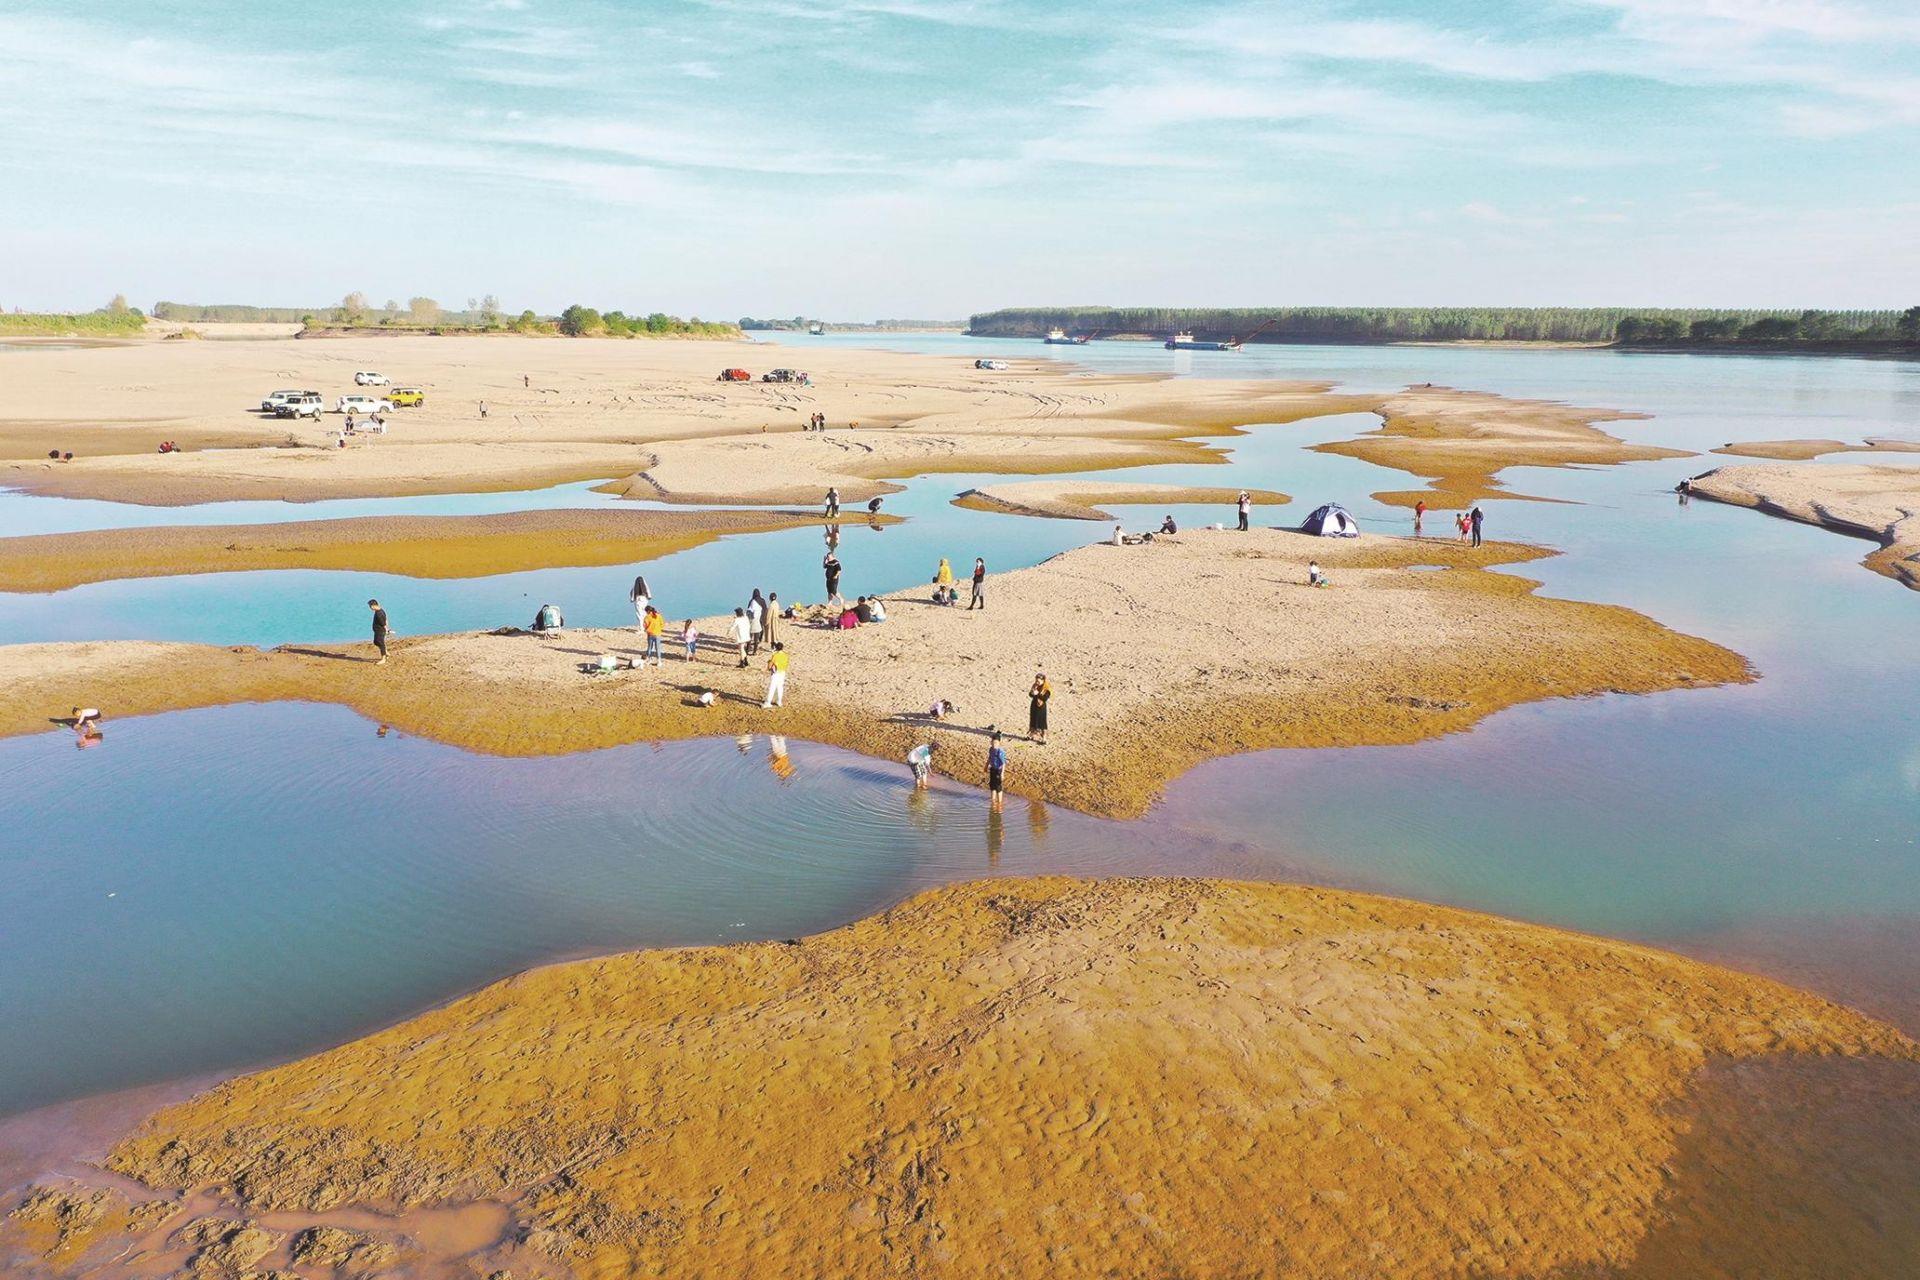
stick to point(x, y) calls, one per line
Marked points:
point(861, 158)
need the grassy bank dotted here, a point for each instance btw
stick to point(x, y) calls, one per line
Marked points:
point(88, 324)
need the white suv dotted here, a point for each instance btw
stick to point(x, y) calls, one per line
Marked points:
point(278, 398)
point(306, 404)
point(367, 379)
point(363, 404)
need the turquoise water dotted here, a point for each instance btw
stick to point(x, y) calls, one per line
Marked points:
point(214, 888)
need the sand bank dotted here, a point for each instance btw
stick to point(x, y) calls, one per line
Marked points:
point(1461, 440)
point(1070, 500)
point(561, 411)
point(1805, 450)
point(1878, 502)
point(1071, 1078)
point(414, 546)
point(1202, 644)
point(862, 464)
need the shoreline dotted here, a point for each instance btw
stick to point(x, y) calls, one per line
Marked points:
point(1334, 1019)
point(1082, 500)
point(1392, 653)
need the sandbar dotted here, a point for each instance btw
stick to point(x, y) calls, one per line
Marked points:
point(413, 546)
point(1806, 450)
point(1082, 500)
point(1878, 502)
point(1066, 1078)
point(1460, 440)
point(1201, 644)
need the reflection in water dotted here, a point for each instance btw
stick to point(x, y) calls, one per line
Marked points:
point(996, 836)
point(1037, 821)
point(778, 760)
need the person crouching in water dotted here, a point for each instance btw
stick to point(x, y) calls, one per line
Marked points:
point(920, 760)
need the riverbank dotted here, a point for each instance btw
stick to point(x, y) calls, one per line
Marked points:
point(1059, 1076)
point(1160, 656)
point(1878, 502)
point(412, 546)
point(1082, 500)
point(1807, 450)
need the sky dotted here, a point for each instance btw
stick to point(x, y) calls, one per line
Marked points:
point(857, 159)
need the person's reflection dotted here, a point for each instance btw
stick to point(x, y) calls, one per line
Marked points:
point(833, 536)
point(743, 743)
point(777, 758)
point(1037, 819)
point(381, 732)
point(922, 812)
point(996, 836)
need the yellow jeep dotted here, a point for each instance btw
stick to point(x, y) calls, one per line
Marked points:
point(407, 397)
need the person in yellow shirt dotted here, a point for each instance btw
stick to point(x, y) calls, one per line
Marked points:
point(944, 578)
point(655, 626)
point(776, 677)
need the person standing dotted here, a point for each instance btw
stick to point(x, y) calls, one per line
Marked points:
point(943, 576)
point(756, 610)
point(996, 773)
point(1474, 517)
point(654, 625)
point(483, 410)
point(776, 678)
point(379, 630)
point(690, 637)
point(979, 600)
point(639, 595)
point(1038, 695)
point(833, 502)
point(830, 566)
point(1419, 514)
point(737, 631)
point(766, 620)
point(1246, 509)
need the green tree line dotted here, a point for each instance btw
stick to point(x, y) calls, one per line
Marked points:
point(1625, 325)
point(584, 322)
point(113, 320)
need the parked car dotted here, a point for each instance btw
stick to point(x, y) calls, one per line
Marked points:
point(366, 378)
point(778, 375)
point(275, 400)
point(407, 397)
point(307, 404)
point(363, 404)
point(991, 364)
point(734, 375)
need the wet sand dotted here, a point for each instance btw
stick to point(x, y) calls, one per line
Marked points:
point(1160, 656)
point(1068, 1078)
point(1082, 500)
point(414, 546)
point(1878, 502)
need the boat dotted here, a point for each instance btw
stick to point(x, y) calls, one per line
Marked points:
point(1185, 341)
point(1059, 338)
point(816, 328)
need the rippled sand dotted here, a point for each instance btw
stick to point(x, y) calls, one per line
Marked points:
point(1069, 1078)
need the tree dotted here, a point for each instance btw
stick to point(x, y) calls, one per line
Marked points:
point(353, 306)
point(1908, 326)
point(490, 309)
point(118, 307)
point(392, 307)
point(423, 310)
point(577, 320)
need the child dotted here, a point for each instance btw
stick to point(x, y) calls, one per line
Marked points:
point(690, 638)
point(920, 760)
point(996, 772)
point(1315, 578)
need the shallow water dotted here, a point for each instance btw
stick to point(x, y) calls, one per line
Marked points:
point(219, 887)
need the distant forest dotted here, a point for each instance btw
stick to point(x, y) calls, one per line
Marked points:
point(799, 323)
point(1625, 326)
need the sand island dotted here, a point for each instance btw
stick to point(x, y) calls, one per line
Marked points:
point(1160, 656)
point(1878, 502)
point(1056, 1077)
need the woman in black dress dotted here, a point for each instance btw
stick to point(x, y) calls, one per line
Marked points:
point(1037, 697)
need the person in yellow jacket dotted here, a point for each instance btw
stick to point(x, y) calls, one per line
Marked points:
point(776, 677)
point(655, 626)
point(944, 578)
